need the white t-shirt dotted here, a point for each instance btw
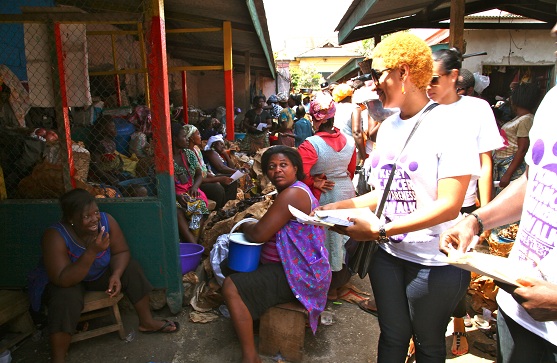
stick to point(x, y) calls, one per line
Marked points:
point(533, 248)
point(343, 117)
point(440, 148)
point(480, 121)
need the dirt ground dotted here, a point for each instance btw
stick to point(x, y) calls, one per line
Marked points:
point(352, 337)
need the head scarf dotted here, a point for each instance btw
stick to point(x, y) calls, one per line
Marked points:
point(190, 130)
point(322, 108)
point(212, 140)
point(282, 97)
point(342, 91)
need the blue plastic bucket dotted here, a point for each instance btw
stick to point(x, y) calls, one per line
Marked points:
point(124, 131)
point(243, 255)
point(190, 256)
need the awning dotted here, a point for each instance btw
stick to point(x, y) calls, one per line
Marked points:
point(366, 19)
point(250, 35)
point(349, 68)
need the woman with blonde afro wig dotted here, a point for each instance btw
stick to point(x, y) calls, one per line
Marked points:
point(415, 289)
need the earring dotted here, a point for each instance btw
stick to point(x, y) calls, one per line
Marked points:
point(403, 90)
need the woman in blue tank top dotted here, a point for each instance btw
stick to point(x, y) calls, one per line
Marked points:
point(87, 251)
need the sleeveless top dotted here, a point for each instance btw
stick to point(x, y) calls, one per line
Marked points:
point(38, 278)
point(102, 260)
point(305, 261)
point(335, 166)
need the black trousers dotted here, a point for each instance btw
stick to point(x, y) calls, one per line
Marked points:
point(65, 303)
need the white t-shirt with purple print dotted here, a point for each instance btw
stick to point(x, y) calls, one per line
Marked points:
point(440, 148)
point(534, 247)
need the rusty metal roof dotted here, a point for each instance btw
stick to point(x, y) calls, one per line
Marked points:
point(369, 18)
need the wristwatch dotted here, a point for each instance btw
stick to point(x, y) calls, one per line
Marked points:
point(383, 235)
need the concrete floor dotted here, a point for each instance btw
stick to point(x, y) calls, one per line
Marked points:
point(351, 338)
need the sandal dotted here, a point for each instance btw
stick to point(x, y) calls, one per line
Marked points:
point(457, 336)
point(411, 354)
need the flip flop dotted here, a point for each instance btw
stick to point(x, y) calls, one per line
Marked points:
point(363, 305)
point(167, 323)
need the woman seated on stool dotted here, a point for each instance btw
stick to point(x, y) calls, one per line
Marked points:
point(87, 251)
point(294, 260)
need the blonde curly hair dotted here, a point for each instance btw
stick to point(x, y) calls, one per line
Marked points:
point(405, 48)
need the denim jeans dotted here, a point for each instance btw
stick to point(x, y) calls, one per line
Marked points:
point(516, 344)
point(416, 301)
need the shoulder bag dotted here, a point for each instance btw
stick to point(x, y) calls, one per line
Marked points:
point(363, 257)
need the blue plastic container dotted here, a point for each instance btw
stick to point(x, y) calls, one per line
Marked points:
point(239, 136)
point(190, 256)
point(243, 255)
point(124, 130)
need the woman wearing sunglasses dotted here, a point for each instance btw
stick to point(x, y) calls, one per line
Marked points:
point(414, 288)
point(479, 119)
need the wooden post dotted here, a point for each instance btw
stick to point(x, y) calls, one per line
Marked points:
point(228, 79)
point(144, 63)
point(185, 98)
point(247, 79)
point(456, 34)
point(164, 164)
point(62, 111)
point(116, 76)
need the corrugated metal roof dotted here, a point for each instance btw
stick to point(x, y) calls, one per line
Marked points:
point(369, 18)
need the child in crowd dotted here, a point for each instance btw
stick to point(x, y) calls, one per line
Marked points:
point(302, 126)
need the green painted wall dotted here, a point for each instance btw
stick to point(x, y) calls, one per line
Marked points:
point(150, 230)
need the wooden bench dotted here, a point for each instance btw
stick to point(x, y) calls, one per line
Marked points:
point(97, 304)
point(282, 330)
point(14, 311)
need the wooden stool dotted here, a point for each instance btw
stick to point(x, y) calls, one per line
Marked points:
point(14, 311)
point(97, 304)
point(282, 329)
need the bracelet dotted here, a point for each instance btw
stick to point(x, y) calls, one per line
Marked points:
point(480, 224)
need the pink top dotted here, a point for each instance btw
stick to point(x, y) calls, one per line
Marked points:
point(269, 253)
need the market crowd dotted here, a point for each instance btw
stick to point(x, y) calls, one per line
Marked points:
point(410, 139)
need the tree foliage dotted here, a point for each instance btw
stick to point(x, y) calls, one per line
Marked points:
point(305, 76)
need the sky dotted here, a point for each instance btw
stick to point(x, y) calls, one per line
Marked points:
point(296, 26)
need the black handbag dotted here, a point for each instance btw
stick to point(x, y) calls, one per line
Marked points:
point(363, 257)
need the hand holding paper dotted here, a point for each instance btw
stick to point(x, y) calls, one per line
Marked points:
point(262, 126)
point(237, 175)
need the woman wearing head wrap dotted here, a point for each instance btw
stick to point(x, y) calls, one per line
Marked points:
point(216, 157)
point(415, 289)
point(329, 159)
point(191, 202)
point(286, 120)
point(219, 188)
point(257, 123)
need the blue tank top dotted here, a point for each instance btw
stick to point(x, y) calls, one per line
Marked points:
point(102, 260)
point(38, 278)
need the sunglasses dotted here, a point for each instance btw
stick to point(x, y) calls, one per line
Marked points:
point(376, 74)
point(435, 79)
